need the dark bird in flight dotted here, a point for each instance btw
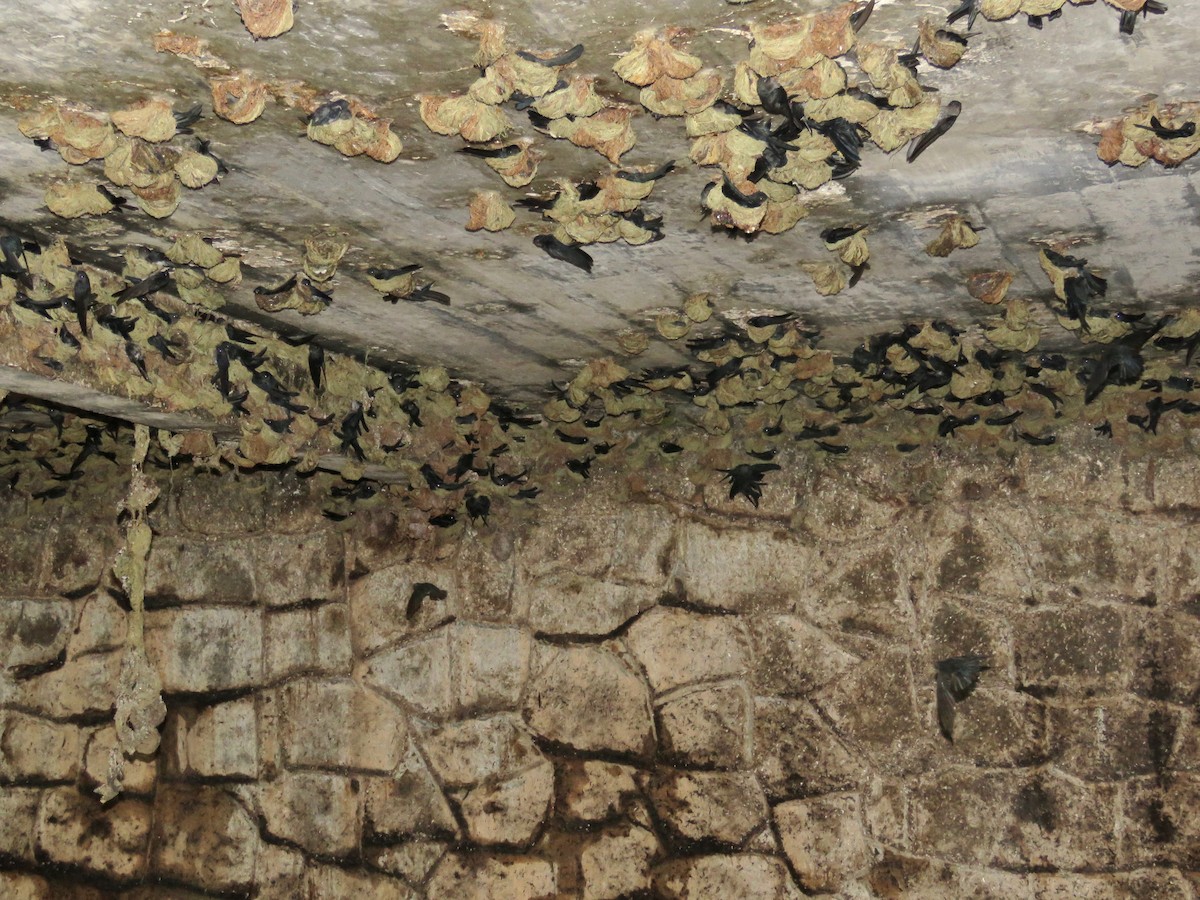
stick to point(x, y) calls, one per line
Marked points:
point(422, 591)
point(956, 679)
point(568, 253)
point(563, 59)
point(747, 479)
point(921, 144)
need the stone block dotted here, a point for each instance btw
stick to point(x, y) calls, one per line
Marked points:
point(1160, 824)
point(1112, 739)
point(204, 838)
point(1071, 648)
point(334, 883)
point(997, 727)
point(74, 829)
point(77, 557)
point(796, 752)
point(1168, 656)
point(509, 812)
point(379, 602)
point(872, 705)
point(81, 687)
point(590, 791)
point(898, 877)
point(341, 725)
point(859, 594)
point(275, 570)
point(707, 726)
point(677, 647)
point(410, 802)
point(490, 664)
point(721, 875)
point(307, 641)
point(571, 604)
point(22, 552)
point(102, 626)
point(824, 841)
point(278, 873)
point(470, 876)
point(417, 674)
point(315, 811)
point(18, 820)
point(885, 811)
point(33, 632)
point(565, 680)
point(141, 773)
point(617, 863)
point(792, 656)
point(205, 649)
point(219, 741)
point(472, 751)
point(742, 570)
point(722, 807)
point(38, 751)
point(413, 860)
point(601, 539)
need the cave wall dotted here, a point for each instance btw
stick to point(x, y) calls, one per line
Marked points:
point(646, 687)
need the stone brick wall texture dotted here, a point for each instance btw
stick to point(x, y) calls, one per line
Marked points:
point(644, 690)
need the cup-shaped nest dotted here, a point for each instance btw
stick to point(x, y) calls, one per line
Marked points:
point(190, 249)
point(956, 233)
point(893, 128)
point(998, 10)
point(489, 212)
point(79, 133)
point(608, 132)
point(989, 287)
point(465, 116)
point(827, 278)
point(150, 120)
point(73, 199)
point(322, 254)
point(266, 18)
point(159, 199)
point(239, 98)
point(654, 56)
point(520, 168)
point(578, 98)
point(195, 170)
point(683, 96)
point(881, 64)
point(938, 51)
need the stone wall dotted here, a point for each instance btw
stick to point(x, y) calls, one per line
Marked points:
point(649, 690)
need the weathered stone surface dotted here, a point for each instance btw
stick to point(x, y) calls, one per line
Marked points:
point(21, 559)
point(509, 812)
point(472, 751)
point(872, 704)
point(341, 725)
point(409, 802)
point(413, 860)
point(417, 674)
point(334, 882)
point(379, 601)
point(315, 811)
point(734, 875)
point(308, 641)
point(824, 841)
point(1168, 664)
point(220, 741)
point(141, 773)
point(859, 595)
point(1160, 822)
point(617, 863)
point(792, 656)
point(726, 807)
point(203, 837)
point(269, 569)
point(896, 877)
point(566, 680)
point(77, 557)
point(885, 811)
point(102, 626)
point(998, 728)
point(278, 873)
point(707, 726)
point(33, 632)
point(797, 754)
point(741, 570)
point(677, 647)
point(36, 750)
point(1013, 819)
point(1077, 647)
point(83, 686)
point(568, 603)
point(480, 877)
point(205, 649)
point(594, 791)
point(1112, 740)
point(489, 665)
point(73, 829)
point(628, 544)
point(18, 818)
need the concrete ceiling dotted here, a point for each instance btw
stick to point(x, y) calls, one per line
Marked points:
point(1021, 160)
